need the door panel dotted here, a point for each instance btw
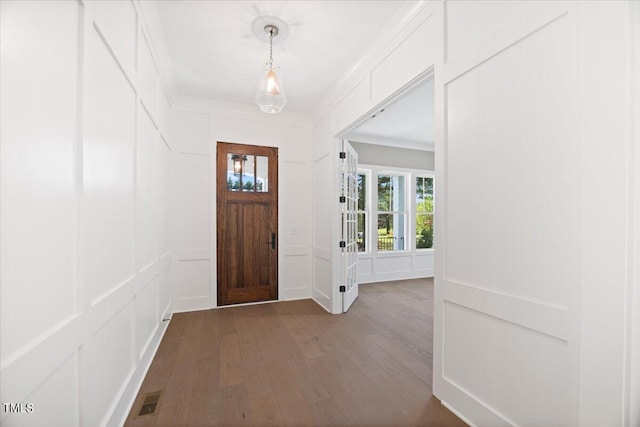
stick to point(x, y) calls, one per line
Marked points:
point(247, 215)
point(350, 225)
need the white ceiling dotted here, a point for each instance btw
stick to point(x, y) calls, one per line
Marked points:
point(215, 53)
point(407, 123)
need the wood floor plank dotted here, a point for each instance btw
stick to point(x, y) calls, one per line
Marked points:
point(231, 369)
point(293, 364)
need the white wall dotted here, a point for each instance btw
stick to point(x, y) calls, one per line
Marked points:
point(535, 194)
point(197, 125)
point(388, 155)
point(324, 217)
point(85, 253)
point(538, 320)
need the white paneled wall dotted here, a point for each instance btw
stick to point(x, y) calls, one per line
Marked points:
point(552, 275)
point(197, 125)
point(190, 282)
point(85, 250)
point(535, 183)
point(325, 216)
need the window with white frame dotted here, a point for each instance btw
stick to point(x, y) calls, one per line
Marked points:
point(392, 213)
point(424, 212)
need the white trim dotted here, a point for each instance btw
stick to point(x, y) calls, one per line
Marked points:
point(399, 143)
point(631, 414)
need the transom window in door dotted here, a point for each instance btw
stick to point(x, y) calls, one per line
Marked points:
point(247, 173)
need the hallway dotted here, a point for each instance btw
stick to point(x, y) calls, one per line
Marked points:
point(292, 363)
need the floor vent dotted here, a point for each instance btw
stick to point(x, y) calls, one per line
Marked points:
point(150, 403)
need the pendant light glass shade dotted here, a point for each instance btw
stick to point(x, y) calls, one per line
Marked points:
point(270, 96)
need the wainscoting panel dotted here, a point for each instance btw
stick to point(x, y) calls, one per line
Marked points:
point(38, 194)
point(102, 388)
point(146, 311)
point(147, 190)
point(547, 248)
point(108, 179)
point(85, 252)
point(550, 361)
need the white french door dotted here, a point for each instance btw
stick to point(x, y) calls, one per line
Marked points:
point(349, 244)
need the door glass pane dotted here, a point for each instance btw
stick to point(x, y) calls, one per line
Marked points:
point(248, 183)
point(262, 168)
point(362, 232)
point(234, 169)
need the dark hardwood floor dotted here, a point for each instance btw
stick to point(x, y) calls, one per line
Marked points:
point(291, 363)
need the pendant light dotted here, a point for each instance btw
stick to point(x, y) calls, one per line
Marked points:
point(270, 96)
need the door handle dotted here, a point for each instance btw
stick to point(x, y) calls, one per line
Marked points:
point(273, 241)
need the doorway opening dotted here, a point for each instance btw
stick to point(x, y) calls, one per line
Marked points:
point(396, 186)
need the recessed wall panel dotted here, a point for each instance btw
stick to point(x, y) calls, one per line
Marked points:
point(117, 20)
point(512, 171)
point(355, 103)
point(147, 77)
point(191, 201)
point(294, 190)
point(190, 131)
point(147, 191)
point(296, 144)
point(322, 227)
point(295, 274)
point(322, 138)
point(530, 370)
point(55, 402)
point(147, 316)
point(107, 363)
point(192, 279)
point(423, 261)
point(243, 131)
point(108, 171)
point(415, 55)
point(395, 264)
point(163, 198)
point(164, 292)
point(37, 173)
point(365, 266)
point(322, 277)
point(477, 29)
point(164, 111)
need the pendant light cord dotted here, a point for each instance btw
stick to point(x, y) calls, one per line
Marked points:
point(270, 49)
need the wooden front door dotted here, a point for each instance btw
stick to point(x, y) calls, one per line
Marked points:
point(247, 223)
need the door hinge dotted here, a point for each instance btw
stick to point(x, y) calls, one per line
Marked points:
point(343, 155)
point(343, 199)
point(343, 244)
point(343, 288)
